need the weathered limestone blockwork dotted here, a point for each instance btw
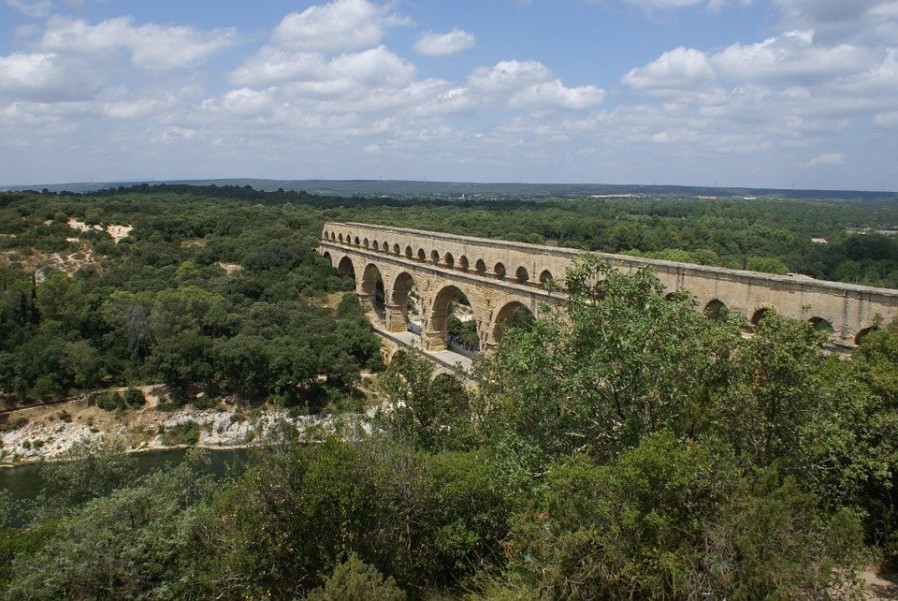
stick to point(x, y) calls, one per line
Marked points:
point(497, 276)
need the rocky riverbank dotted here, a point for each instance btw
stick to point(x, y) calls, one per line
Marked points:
point(45, 432)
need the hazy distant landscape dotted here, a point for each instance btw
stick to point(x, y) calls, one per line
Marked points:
point(487, 191)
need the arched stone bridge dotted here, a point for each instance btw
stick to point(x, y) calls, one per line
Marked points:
point(500, 278)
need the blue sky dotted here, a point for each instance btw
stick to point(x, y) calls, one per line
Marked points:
point(759, 93)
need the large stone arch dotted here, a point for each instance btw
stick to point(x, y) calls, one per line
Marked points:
point(371, 290)
point(435, 324)
point(504, 319)
point(397, 303)
point(346, 268)
point(821, 324)
point(760, 313)
point(864, 333)
point(715, 309)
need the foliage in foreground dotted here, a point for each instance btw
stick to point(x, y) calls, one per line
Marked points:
point(629, 448)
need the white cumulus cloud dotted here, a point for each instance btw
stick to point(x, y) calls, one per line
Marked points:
point(340, 25)
point(677, 68)
point(41, 76)
point(838, 20)
point(272, 65)
point(150, 46)
point(529, 85)
point(826, 160)
point(791, 56)
point(553, 94)
point(444, 44)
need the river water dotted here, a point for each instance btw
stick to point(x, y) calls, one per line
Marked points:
point(24, 482)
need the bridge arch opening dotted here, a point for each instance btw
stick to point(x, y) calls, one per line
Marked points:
point(545, 277)
point(385, 246)
point(357, 243)
point(334, 237)
point(396, 249)
point(821, 325)
point(513, 315)
point(405, 299)
point(397, 355)
point(422, 256)
point(480, 267)
point(373, 291)
point(452, 324)
point(409, 253)
point(760, 314)
point(450, 389)
point(499, 270)
point(521, 275)
point(715, 309)
point(449, 260)
point(341, 238)
point(435, 257)
point(375, 245)
point(327, 255)
point(864, 333)
point(346, 269)
point(463, 263)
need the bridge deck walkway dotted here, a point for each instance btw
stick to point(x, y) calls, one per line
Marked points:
point(448, 360)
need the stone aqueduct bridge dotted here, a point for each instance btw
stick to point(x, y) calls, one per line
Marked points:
point(499, 278)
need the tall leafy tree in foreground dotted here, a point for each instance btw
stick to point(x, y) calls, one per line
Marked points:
point(661, 454)
point(621, 361)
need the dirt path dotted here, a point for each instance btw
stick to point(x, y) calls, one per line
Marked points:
point(880, 585)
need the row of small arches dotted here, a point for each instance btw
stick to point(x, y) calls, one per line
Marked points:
point(499, 271)
point(716, 309)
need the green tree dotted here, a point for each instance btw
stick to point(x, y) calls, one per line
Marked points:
point(191, 308)
point(356, 580)
point(126, 544)
point(61, 298)
point(767, 265)
point(622, 362)
point(430, 411)
point(674, 519)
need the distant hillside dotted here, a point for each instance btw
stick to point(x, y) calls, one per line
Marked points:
point(469, 190)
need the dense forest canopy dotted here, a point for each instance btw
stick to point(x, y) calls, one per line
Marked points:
point(222, 293)
point(625, 447)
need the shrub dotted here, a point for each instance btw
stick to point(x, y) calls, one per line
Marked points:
point(111, 400)
point(134, 397)
point(15, 424)
point(354, 579)
point(187, 433)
